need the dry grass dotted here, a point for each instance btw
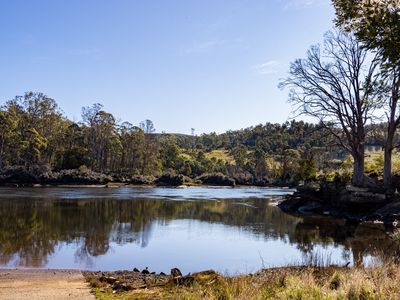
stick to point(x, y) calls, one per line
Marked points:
point(221, 155)
point(379, 282)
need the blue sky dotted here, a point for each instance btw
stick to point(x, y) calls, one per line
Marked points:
point(213, 65)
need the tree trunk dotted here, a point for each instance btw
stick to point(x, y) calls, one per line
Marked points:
point(359, 166)
point(387, 167)
point(1, 153)
point(393, 123)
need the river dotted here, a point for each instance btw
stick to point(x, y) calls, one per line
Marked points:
point(231, 230)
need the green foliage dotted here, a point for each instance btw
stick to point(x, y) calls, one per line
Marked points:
point(239, 154)
point(307, 169)
point(33, 131)
point(33, 147)
point(170, 152)
point(375, 22)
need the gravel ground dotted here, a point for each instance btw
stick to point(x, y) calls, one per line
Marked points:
point(35, 284)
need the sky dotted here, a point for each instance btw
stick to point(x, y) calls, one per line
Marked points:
point(203, 64)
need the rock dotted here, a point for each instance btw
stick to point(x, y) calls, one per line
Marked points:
point(365, 198)
point(118, 286)
point(291, 204)
point(244, 179)
point(389, 210)
point(248, 179)
point(171, 180)
point(309, 188)
point(186, 280)
point(356, 204)
point(309, 207)
point(142, 180)
point(178, 279)
point(108, 279)
point(175, 272)
point(353, 189)
point(136, 270)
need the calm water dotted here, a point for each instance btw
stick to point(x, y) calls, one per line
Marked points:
point(229, 230)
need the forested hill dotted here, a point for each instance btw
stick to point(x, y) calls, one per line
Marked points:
point(35, 135)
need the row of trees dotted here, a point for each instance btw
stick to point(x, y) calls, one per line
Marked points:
point(353, 79)
point(33, 131)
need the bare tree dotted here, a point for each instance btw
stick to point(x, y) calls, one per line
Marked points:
point(335, 84)
point(392, 81)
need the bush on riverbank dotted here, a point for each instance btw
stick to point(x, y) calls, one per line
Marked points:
point(168, 179)
point(41, 174)
point(217, 179)
point(79, 177)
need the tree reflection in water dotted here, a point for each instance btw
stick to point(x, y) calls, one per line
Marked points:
point(32, 228)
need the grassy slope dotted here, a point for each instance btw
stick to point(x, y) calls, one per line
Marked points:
point(221, 154)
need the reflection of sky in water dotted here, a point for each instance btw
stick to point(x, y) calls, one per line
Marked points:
point(193, 246)
point(227, 229)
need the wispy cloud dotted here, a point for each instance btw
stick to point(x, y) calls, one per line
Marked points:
point(210, 45)
point(267, 68)
point(202, 47)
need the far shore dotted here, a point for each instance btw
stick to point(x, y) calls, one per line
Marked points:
point(124, 185)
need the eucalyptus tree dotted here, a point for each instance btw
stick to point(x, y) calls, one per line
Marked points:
point(42, 114)
point(101, 127)
point(169, 152)
point(239, 154)
point(34, 145)
point(147, 126)
point(376, 23)
point(73, 151)
point(151, 155)
point(335, 84)
point(151, 163)
point(8, 126)
point(132, 140)
point(36, 119)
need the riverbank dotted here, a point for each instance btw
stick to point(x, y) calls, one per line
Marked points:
point(310, 282)
point(379, 282)
point(20, 176)
point(354, 204)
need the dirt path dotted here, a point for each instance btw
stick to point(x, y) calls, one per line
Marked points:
point(34, 284)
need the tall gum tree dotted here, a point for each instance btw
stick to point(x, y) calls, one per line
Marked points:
point(335, 84)
point(376, 23)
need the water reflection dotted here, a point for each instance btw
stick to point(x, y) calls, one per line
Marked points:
point(112, 229)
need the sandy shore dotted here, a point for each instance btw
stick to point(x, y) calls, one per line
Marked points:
point(35, 284)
